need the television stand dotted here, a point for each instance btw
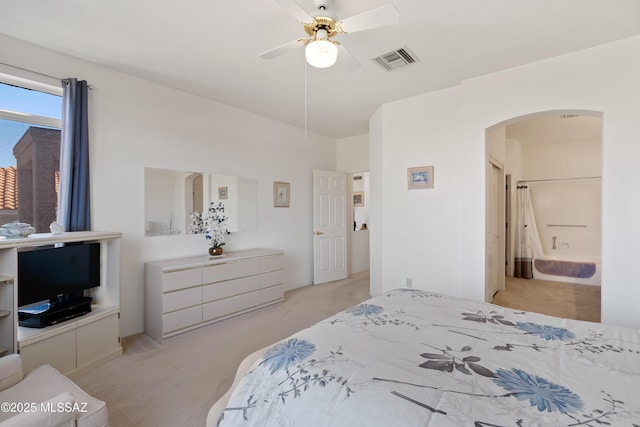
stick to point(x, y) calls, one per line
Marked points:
point(33, 318)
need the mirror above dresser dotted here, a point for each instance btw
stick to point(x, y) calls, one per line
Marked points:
point(172, 195)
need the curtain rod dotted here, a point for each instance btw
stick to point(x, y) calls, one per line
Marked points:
point(38, 73)
point(67, 82)
point(30, 71)
point(556, 179)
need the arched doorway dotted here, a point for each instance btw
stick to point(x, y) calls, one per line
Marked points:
point(556, 158)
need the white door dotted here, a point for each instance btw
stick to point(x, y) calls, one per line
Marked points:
point(329, 226)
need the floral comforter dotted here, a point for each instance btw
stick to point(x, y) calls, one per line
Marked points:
point(414, 358)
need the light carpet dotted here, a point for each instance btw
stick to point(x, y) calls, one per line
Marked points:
point(567, 300)
point(175, 383)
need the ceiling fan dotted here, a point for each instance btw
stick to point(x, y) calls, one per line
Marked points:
point(321, 26)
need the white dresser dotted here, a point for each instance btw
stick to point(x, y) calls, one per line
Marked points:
point(186, 293)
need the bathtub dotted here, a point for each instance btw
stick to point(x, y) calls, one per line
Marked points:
point(582, 271)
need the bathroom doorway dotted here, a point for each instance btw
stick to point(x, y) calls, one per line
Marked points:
point(558, 158)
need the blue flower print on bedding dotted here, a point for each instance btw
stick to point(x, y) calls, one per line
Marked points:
point(549, 333)
point(541, 393)
point(286, 353)
point(365, 310)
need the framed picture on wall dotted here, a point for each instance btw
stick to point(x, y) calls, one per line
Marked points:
point(420, 177)
point(223, 193)
point(358, 199)
point(281, 194)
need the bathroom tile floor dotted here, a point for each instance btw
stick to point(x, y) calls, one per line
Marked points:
point(567, 300)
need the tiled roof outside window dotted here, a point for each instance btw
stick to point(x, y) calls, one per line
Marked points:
point(8, 188)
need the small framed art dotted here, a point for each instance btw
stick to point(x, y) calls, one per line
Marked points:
point(223, 193)
point(358, 199)
point(420, 177)
point(281, 194)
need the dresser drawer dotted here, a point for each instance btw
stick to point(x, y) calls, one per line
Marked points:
point(273, 293)
point(177, 300)
point(181, 319)
point(227, 306)
point(271, 279)
point(230, 288)
point(271, 264)
point(181, 279)
point(232, 270)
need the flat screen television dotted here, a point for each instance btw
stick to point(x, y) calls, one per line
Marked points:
point(57, 274)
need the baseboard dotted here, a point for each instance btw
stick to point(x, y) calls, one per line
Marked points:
point(89, 366)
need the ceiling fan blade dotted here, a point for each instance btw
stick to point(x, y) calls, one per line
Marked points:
point(270, 54)
point(295, 9)
point(374, 18)
point(346, 61)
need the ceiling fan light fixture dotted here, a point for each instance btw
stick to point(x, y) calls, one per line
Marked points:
point(321, 53)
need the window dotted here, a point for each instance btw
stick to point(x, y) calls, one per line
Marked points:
point(30, 121)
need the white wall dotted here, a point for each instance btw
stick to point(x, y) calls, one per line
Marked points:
point(134, 123)
point(437, 236)
point(496, 144)
point(376, 187)
point(352, 154)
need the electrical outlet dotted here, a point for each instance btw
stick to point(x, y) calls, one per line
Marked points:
point(409, 282)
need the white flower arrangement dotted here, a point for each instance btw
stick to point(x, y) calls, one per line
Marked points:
point(211, 224)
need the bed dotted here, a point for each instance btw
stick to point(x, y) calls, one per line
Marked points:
point(415, 358)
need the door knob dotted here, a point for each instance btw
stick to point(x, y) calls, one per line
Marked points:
point(317, 233)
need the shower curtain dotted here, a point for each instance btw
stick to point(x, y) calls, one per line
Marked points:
point(527, 241)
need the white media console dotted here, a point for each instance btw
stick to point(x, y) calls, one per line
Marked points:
point(76, 344)
point(186, 293)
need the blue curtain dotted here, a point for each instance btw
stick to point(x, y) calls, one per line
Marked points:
point(74, 207)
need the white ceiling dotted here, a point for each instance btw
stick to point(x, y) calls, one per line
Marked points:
point(211, 47)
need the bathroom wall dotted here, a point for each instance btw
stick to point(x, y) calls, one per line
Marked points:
point(568, 217)
point(564, 184)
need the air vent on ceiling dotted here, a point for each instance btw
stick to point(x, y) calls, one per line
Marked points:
point(395, 59)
